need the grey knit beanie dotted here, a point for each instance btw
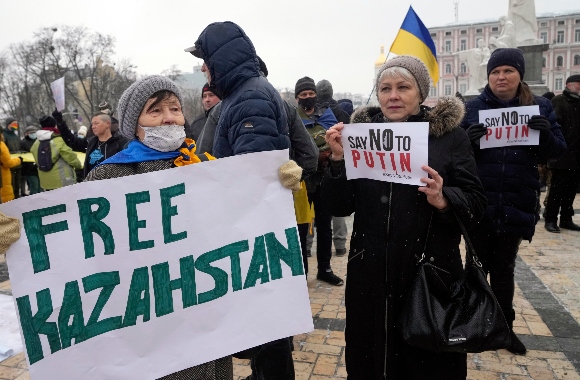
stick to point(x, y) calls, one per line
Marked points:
point(324, 89)
point(134, 98)
point(415, 67)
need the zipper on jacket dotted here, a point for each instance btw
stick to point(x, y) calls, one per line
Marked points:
point(387, 290)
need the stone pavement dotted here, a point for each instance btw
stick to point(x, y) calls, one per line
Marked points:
point(547, 303)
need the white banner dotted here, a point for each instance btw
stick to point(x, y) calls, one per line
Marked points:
point(508, 126)
point(142, 276)
point(57, 88)
point(392, 152)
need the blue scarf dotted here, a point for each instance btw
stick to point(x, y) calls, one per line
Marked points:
point(136, 151)
point(326, 120)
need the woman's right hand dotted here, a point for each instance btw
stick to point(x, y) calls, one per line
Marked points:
point(10, 232)
point(333, 139)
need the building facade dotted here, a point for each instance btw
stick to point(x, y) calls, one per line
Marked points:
point(562, 59)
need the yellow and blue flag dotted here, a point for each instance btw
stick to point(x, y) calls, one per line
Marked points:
point(414, 39)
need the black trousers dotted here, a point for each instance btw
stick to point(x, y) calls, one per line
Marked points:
point(302, 233)
point(498, 255)
point(273, 361)
point(16, 180)
point(561, 195)
point(323, 222)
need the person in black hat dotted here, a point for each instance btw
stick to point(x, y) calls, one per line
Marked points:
point(317, 120)
point(566, 168)
point(509, 176)
point(57, 163)
point(208, 100)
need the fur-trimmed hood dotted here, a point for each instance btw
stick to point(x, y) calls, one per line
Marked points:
point(444, 117)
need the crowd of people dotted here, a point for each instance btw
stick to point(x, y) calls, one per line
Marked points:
point(494, 192)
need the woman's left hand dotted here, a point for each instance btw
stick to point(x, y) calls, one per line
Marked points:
point(434, 188)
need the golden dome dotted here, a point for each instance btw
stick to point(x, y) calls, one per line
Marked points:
point(382, 58)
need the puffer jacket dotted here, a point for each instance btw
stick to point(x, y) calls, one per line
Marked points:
point(63, 158)
point(6, 163)
point(567, 109)
point(393, 226)
point(510, 174)
point(252, 115)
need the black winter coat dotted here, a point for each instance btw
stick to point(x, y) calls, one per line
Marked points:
point(391, 225)
point(12, 141)
point(195, 127)
point(28, 168)
point(336, 109)
point(510, 174)
point(567, 109)
point(112, 146)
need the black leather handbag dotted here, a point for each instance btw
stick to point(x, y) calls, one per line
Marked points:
point(462, 317)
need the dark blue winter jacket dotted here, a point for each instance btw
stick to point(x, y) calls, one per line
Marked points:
point(510, 174)
point(252, 116)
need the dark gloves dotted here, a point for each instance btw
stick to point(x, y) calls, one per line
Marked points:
point(540, 123)
point(57, 116)
point(476, 132)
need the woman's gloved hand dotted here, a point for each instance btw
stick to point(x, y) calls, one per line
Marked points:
point(290, 174)
point(9, 232)
point(540, 123)
point(476, 132)
point(57, 116)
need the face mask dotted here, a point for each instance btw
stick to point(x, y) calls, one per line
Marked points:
point(165, 138)
point(307, 103)
point(81, 136)
point(32, 136)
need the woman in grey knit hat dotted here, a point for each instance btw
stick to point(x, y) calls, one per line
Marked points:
point(395, 224)
point(150, 115)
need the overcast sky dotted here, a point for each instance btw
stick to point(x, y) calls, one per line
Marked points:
point(335, 40)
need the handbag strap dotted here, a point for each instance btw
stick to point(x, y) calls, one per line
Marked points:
point(469, 252)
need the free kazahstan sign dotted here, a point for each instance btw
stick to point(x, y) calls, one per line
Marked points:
point(508, 126)
point(142, 276)
point(391, 152)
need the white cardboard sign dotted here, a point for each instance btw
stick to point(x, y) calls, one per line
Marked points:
point(508, 126)
point(391, 152)
point(57, 88)
point(142, 276)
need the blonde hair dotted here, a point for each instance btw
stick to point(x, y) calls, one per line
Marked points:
point(397, 72)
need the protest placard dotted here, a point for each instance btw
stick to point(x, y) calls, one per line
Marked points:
point(142, 276)
point(57, 88)
point(508, 126)
point(392, 152)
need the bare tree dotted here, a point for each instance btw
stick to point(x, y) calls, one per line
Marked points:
point(172, 73)
point(83, 57)
point(192, 106)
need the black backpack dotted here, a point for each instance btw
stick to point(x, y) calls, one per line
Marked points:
point(45, 156)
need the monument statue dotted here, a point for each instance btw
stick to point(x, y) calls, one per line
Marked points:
point(507, 38)
point(523, 15)
point(476, 60)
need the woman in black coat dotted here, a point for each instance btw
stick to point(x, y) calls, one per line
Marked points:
point(509, 175)
point(394, 222)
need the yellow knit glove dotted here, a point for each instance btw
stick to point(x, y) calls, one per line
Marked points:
point(9, 232)
point(290, 174)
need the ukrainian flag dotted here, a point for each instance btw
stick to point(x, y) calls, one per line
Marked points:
point(414, 39)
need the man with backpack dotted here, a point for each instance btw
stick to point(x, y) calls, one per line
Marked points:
point(56, 161)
